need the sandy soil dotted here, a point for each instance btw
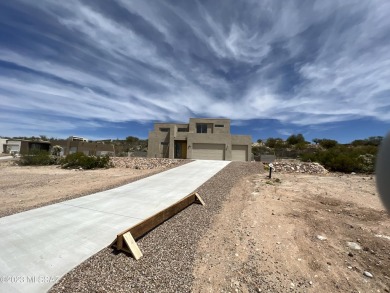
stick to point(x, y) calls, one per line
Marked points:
point(25, 187)
point(267, 237)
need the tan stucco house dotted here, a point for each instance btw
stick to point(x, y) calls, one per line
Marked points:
point(205, 139)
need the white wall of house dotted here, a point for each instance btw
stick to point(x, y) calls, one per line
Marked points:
point(3, 142)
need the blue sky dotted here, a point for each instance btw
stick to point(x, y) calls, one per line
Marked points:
point(109, 69)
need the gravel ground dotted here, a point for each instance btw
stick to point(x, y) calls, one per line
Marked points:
point(167, 264)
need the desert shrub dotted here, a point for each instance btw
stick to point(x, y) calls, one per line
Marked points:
point(345, 159)
point(367, 163)
point(371, 141)
point(80, 160)
point(300, 145)
point(36, 158)
point(328, 143)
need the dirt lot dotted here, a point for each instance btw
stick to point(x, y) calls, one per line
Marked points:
point(25, 187)
point(292, 234)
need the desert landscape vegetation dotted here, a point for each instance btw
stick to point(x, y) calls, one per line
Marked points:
point(317, 225)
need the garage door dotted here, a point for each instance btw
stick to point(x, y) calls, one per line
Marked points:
point(13, 147)
point(239, 152)
point(208, 151)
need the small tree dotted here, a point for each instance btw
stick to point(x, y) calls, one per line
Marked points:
point(295, 139)
point(274, 142)
point(270, 142)
point(132, 139)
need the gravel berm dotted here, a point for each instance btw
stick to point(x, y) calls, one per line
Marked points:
point(169, 250)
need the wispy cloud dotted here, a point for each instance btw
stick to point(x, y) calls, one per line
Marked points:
point(303, 63)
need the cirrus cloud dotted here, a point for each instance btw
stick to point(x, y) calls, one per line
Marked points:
point(300, 62)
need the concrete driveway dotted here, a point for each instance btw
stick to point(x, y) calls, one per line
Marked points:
point(39, 246)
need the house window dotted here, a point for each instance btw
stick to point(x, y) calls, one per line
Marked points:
point(182, 130)
point(164, 129)
point(219, 125)
point(201, 128)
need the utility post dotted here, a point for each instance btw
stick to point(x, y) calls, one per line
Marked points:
point(271, 166)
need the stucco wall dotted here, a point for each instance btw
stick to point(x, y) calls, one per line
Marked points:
point(210, 122)
point(156, 137)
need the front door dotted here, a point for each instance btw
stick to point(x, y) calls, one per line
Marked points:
point(180, 149)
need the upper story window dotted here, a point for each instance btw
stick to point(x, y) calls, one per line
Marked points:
point(182, 129)
point(201, 128)
point(164, 129)
point(219, 125)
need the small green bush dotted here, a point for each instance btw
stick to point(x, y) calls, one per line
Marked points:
point(36, 158)
point(80, 160)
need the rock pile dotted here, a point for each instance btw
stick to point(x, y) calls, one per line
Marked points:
point(144, 163)
point(299, 167)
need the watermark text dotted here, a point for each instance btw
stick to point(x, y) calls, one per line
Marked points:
point(29, 279)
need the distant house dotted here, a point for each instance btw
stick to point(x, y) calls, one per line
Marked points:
point(206, 139)
point(76, 144)
point(77, 138)
point(16, 146)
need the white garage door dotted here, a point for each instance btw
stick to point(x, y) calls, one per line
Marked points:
point(239, 152)
point(13, 147)
point(208, 151)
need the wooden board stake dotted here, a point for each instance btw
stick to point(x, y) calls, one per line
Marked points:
point(125, 240)
point(199, 199)
point(133, 247)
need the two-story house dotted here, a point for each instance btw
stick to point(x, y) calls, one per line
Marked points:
point(204, 139)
